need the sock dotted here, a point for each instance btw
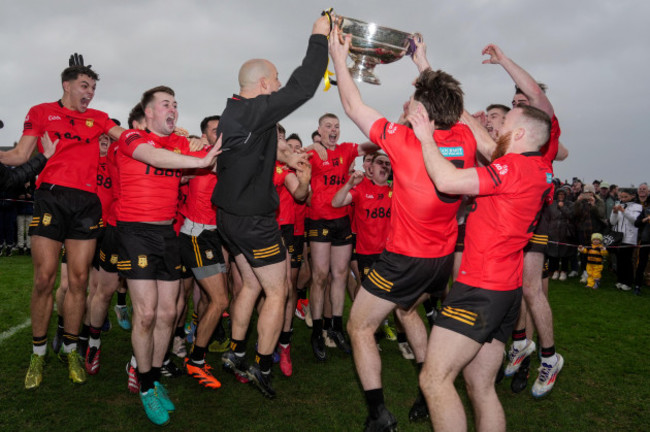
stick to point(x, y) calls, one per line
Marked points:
point(302, 293)
point(548, 355)
point(519, 338)
point(39, 345)
point(95, 334)
point(374, 399)
point(121, 299)
point(155, 374)
point(327, 323)
point(198, 355)
point(238, 346)
point(265, 362)
point(337, 323)
point(317, 328)
point(285, 338)
point(401, 337)
point(69, 342)
point(146, 381)
point(180, 332)
point(60, 322)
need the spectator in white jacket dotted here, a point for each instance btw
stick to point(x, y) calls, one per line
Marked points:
point(623, 216)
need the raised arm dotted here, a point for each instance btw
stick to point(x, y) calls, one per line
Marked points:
point(420, 54)
point(19, 154)
point(445, 176)
point(298, 184)
point(161, 158)
point(522, 79)
point(485, 145)
point(361, 114)
point(343, 196)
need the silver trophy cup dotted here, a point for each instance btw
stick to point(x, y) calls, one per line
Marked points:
point(372, 45)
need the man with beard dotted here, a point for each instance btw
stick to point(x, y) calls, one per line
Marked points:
point(419, 250)
point(67, 210)
point(480, 311)
point(529, 92)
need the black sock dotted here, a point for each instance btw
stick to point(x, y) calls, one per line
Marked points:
point(401, 337)
point(85, 332)
point(337, 323)
point(69, 338)
point(548, 352)
point(121, 299)
point(519, 335)
point(285, 337)
point(238, 346)
point(198, 354)
point(155, 374)
point(302, 293)
point(374, 399)
point(146, 381)
point(265, 362)
point(317, 328)
point(60, 321)
point(95, 332)
point(327, 323)
point(180, 332)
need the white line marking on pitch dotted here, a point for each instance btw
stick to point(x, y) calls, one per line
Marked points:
point(12, 331)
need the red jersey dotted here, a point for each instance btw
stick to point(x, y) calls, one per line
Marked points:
point(423, 220)
point(197, 206)
point(372, 205)
point(104, 187)
point(503, 219)
point(300, 212)
point(74, 164)
point(285, 214)
point(113, 173)
point(550, 149)
point(147, 194)
point(327, 177)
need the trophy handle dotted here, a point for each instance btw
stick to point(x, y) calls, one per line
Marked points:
point(412, 47)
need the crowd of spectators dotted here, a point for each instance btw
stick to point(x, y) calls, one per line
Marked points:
point(620, 214)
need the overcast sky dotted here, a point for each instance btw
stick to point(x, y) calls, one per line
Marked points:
point(594, 56)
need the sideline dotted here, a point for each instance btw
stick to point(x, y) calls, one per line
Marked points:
point(12, 331)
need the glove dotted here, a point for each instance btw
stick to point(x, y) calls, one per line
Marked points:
point(77, 60)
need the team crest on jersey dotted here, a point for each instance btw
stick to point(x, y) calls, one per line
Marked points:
point(341, 159)
point(278, 170)
point(209, 254)
point(90, 122)
point(325, 231)
point(390, 194)
point(114, 259)
point(47, 219)
point(142, 261)
point(502, 169)
point(177, 150)
point(391, 129)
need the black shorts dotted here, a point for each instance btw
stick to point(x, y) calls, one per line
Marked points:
point(257, 237)
point(355, 255)
point(62, 213)
point(298, 248)
point(365, 264)
point(335, 231)
point(402, 279)
point(148, 251)
point(109, 250)
point(460, 240)
point(480, 314)
point(202, 255)
point(539, 241)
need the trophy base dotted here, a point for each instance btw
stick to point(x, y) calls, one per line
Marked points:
point(363, 73)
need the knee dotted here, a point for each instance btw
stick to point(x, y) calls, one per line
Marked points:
point(144, 318)
point(44, 284)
